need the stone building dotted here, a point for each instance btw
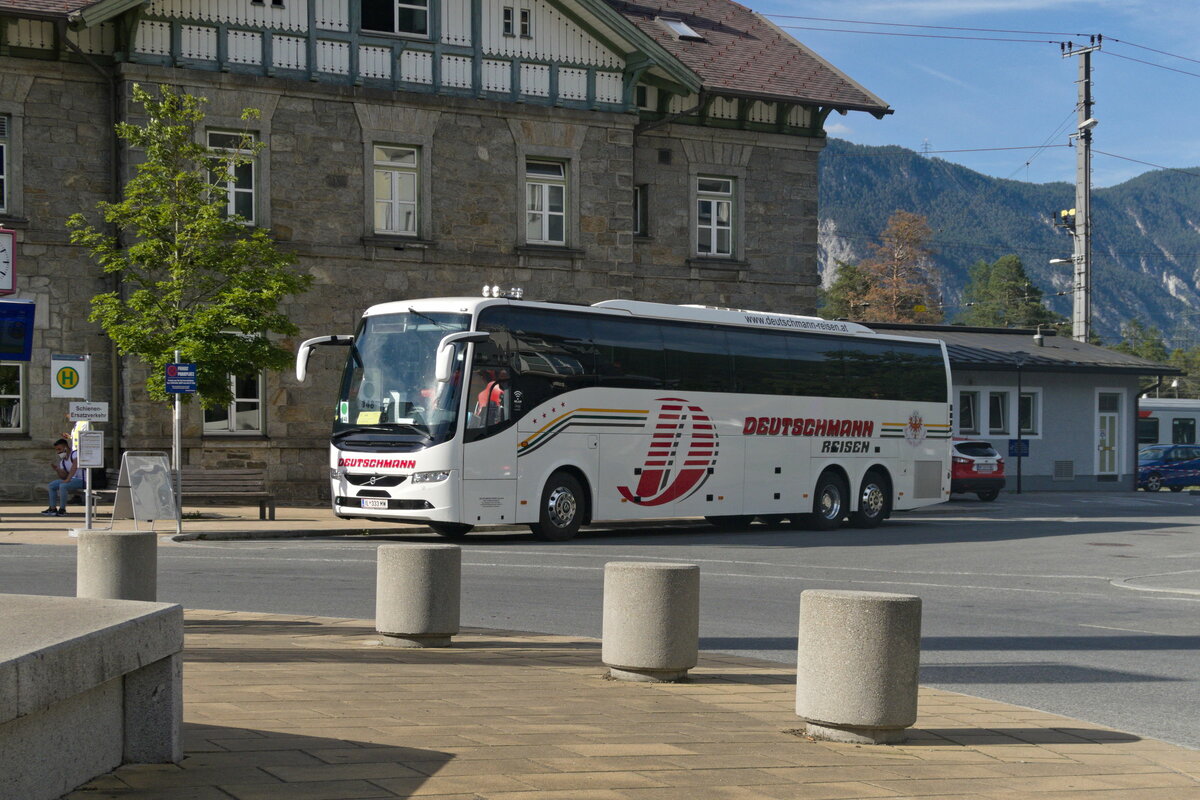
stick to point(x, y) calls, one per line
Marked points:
point(581, 149)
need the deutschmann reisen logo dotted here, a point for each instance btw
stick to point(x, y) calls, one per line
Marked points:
point(378, 463)
point(841, 435)
point(683, 452)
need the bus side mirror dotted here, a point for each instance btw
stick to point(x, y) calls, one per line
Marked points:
point(306, 348)
point(444, 365)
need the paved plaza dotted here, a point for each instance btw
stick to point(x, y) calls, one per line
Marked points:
point(310, 708)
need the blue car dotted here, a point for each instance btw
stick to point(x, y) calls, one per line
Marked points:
point(1172, 465)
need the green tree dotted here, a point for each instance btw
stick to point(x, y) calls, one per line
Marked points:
point(843, 298)
point(901, 281)
point(193, 278)
point(1187, 360)
point(1002, 295)
point(1138, 339)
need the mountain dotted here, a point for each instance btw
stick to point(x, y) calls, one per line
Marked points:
point(1145, 232)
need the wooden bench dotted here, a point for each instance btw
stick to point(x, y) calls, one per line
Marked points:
point(217, 484)
point(233, 485)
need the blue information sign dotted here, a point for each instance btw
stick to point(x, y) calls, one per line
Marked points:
point(181, 378)
point(1018, 448)
point(16, 329)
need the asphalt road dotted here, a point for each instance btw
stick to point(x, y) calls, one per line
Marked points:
point(1086, 606)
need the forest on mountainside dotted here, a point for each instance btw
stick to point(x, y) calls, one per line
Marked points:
point(1145, 232)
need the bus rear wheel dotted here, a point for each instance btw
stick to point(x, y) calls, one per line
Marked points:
point(450, 530)
point(874, 501)
point(829, 503)
point(561, 511)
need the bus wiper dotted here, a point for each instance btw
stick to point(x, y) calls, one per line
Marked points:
point(441, 325)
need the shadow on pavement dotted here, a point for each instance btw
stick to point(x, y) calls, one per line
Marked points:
point(245, 762)
point(1030, 673)
point(1054, 643)
point(938, 737)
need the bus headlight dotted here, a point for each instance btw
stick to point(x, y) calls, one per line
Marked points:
point(430, 477)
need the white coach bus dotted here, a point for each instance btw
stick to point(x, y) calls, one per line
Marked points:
point(456, 412)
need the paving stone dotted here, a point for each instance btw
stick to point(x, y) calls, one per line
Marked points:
point(269, 714)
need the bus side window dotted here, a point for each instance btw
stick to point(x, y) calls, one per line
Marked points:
point(760, 362)
point(1183, 430)
point(629, 353)
point(698, 358)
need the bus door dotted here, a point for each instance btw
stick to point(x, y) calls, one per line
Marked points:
point(489, 451)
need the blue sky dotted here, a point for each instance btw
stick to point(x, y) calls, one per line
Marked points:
point(958, 94)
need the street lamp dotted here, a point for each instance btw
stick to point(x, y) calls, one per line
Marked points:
point(1019, 358)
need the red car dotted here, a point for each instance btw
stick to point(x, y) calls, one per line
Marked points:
point(978, 468)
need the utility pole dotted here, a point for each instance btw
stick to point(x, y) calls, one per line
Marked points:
point(1081, 258)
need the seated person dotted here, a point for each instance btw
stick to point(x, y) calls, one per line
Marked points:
point(66, 466)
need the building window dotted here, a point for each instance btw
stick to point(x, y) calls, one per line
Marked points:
point(998, 413)
point(234, 172)
point(1027, 414)
point(396, 16)
point(545, 202)
point(641, 220)
point(507, 20)
point(968, 412)
point(396, 186)
point(714, 216)
point(4, 148)
point(526, 24)
point(12, 419)
point(244, 413)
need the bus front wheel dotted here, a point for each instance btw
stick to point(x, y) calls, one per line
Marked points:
point(829, 503)
point(451, 530)
point(874, 501)
point(561, 511)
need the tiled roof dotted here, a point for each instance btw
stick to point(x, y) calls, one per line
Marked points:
point(44, 7)
point(743, 53)
point(998, 349)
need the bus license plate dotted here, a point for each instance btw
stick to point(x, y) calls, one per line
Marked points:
point(371, 502)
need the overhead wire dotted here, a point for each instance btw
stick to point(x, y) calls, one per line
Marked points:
point(1038, 148)
point(1152, 64)
point(927, 27)
point(918, 35)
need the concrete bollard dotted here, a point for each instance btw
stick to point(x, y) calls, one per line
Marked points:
point(856, 668)
point(116, 565)
point(651, 628)
point(417, 592)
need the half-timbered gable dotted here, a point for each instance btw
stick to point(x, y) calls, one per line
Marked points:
point(583, 149)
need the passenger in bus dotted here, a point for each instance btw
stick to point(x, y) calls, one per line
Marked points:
point(491, 402)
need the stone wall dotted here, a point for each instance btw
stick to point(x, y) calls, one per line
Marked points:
point(317, 170)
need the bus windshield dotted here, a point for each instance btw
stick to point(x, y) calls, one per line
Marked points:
point(390, 395)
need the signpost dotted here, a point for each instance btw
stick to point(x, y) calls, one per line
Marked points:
point(69, 376)
point(90, 455)
point(181, 379)
point(88, 412)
